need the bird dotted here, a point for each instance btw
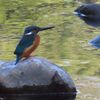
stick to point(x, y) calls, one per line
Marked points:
point(29, 41)
point(89, 13)
point(95, 42)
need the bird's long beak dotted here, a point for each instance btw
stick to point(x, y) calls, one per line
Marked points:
point(46, 28)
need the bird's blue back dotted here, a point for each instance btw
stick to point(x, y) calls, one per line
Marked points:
point(24, 43)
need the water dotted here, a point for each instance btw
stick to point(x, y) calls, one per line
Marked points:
point(88, 88)
point(66, 45)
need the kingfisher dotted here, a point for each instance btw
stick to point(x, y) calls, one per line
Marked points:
point(29, 42)
point(89, 13)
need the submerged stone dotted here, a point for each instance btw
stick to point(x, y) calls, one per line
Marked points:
point(35, 79)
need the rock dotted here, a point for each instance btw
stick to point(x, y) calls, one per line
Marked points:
point(35, 79)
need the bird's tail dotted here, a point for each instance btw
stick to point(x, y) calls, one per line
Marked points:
point(17, 59)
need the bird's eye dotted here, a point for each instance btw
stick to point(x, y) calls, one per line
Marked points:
point(28, 33)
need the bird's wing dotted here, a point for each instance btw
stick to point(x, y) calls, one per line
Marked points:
point(23, 44)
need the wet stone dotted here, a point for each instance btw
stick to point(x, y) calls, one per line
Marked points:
point(35, 78)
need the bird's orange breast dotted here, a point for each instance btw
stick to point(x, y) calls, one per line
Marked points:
point(31, 48)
